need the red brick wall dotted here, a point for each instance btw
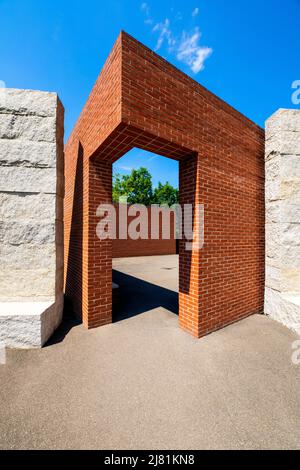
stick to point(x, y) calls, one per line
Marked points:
point(140, 100)
point(94, 124)
point(122, 248)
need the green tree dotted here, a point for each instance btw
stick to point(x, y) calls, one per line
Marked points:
point(117, 188)
point(165, 194)
point(137, 187)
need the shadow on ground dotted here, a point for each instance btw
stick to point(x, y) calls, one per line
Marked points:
point(136, 296)
point(69, 321)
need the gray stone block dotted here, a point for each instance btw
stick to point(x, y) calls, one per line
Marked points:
point(28, 207)
point(29, 324)
point(27, 257)
point(28, 128)
point(283, 308)
point(19, 153)
point(36, 284)
point(23, 233)
point(28, 103)
point(31, 216)
point(283, 217)
point(29, 180)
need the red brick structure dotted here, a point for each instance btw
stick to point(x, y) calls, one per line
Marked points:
point(140, 100)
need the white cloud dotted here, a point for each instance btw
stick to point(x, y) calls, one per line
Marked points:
point(124, 167)
point(190, 52)
point(186, 46)
point(145, 8)
point(152, 158)
point(165, 33)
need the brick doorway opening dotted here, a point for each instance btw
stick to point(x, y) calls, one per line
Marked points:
point(145, 284)
point(144, 249)
point(99, 307)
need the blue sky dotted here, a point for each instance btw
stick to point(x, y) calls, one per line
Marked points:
point(247, 52)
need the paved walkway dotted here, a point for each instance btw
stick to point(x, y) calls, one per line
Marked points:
point(143, 383)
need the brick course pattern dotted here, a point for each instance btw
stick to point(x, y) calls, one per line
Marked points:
point(122, 248)
point(140, 100)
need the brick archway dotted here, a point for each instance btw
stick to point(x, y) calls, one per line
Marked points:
point(140, 100)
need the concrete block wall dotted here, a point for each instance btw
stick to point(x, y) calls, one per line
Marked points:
point(31, 216)
point(282, 166)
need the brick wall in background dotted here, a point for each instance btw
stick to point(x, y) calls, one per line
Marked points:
point(146, 247)
point(140, 100)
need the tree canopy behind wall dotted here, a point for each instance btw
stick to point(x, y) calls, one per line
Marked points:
point(165, 194)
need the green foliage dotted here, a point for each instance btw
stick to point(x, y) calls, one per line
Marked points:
point(117, 188)
point(137, 187)
point(165, 194)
